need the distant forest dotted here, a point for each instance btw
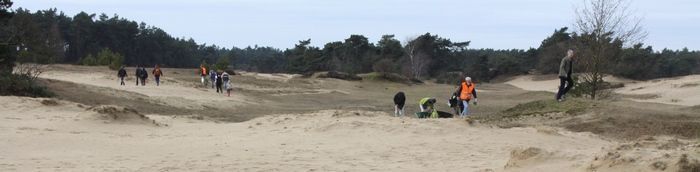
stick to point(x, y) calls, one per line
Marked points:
point(49, 36)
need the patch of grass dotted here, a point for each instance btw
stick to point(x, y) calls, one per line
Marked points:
point(21, 85)
point(571, 106)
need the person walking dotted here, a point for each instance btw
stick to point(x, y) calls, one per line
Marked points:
point(157, 73)
point(144, 76)
point(122, 74)
point(203, 73)
point(565, 75)
point(467, 92)
point(227, 83)
point(399, 102)
point(219, 83)
point(138, 74)
point(212, 77)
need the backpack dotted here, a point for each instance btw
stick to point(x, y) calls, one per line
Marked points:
point(144, 74)
point(225, 77)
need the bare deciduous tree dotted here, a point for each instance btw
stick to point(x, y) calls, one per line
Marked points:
point(604, 27)
point(31, 70)
point(418, 60)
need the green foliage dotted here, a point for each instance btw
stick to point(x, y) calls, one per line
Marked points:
point(552, 50)
point(222, 63)
point(21, 85)
point(49, 36)
point(385, 66)
point(117, 62)
point(89, 60)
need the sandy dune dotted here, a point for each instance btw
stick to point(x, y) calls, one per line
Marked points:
point(66, 137)
point(59, 135)
point(677, 91)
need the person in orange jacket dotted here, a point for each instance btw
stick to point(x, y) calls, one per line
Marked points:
point(467, 92)
point(203, 73)
point(157, 73)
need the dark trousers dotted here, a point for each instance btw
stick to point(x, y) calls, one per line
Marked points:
point(218, 88)
point(566, 84)
point(157, 80)
point(122, 79)
point(143, 81)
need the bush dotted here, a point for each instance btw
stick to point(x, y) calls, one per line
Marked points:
point(117, 62)
point(21, 85)
point(89, 60)
point(222, 64)
point(385, 66)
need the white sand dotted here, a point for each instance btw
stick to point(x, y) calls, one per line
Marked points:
point(67, 138)
point(526, 82)
point(677, 91)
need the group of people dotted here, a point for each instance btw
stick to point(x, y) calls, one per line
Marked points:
point(220, 80)
point(466, 93)
point(141, 75)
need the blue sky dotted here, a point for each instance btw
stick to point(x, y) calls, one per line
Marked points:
point(500, 24)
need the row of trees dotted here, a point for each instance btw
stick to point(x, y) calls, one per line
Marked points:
point(48, 36)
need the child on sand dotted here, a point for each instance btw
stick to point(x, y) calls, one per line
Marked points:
point(227, 83)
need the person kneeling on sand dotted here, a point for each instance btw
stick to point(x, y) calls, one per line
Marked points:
point(227, 83)
point(399, 102)
point(467, 92)
point(428, 105)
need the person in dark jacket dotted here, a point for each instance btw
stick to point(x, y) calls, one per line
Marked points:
point(144, 76)
point(399, 102)
point(565, 75)
point(122, 74)
point(212, 77)
point(138, 74)
point(219, 83)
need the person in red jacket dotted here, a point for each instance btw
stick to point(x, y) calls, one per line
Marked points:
point(467, 92)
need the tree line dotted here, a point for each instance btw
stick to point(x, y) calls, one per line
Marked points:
point(49, 36)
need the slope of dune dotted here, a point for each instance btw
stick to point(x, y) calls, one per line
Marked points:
point(66, 137)
point(677, 91)
point(60, 134)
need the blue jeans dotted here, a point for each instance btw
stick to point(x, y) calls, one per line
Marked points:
point(465, 111)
